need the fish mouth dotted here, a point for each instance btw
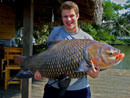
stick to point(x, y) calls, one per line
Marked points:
point(112, 61)
point(118, 58)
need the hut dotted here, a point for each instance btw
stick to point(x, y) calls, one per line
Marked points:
point(25, 13)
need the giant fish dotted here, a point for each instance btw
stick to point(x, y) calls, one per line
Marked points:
point(72, 58)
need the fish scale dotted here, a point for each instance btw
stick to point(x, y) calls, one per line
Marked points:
point(65, 57)
point(75, 54)
point(62, 60)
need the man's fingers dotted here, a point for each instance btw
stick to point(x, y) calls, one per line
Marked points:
point(93, 67)
point(37, 75)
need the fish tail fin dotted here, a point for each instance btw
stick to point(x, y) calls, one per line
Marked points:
point(23, 74)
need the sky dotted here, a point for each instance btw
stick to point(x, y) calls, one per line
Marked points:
point(119, 1)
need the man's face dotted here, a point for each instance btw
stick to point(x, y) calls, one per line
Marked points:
point(69, 18)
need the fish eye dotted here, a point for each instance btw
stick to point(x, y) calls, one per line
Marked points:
point(109, 52)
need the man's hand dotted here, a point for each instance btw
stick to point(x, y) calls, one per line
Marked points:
point(38, 75)
point(94, 71)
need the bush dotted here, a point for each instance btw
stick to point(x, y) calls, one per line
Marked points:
point(100, 32)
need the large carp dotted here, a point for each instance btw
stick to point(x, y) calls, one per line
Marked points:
point(72, 58)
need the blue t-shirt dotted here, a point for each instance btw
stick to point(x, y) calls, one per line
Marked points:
point(60, 33)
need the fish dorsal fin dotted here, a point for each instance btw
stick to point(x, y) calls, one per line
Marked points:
point(53, 43)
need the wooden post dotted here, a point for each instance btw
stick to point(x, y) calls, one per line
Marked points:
point(27, 43)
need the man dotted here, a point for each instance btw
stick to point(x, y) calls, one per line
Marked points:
point(78, 87)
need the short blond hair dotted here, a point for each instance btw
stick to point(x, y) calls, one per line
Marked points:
point(69, 5)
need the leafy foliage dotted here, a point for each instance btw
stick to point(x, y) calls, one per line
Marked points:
point(98, 32)
point(110, 10)
point(116, 25)
point(41, 33)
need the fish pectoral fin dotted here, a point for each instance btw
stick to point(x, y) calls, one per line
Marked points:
point(83, 66)
point(23, 74)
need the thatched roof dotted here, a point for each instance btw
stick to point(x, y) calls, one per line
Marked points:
point(90, 10)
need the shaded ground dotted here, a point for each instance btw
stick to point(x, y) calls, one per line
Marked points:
point(112, 83)
point(14, 91)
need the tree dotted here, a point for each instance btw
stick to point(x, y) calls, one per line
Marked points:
point(110, 10)
point(120, 22)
